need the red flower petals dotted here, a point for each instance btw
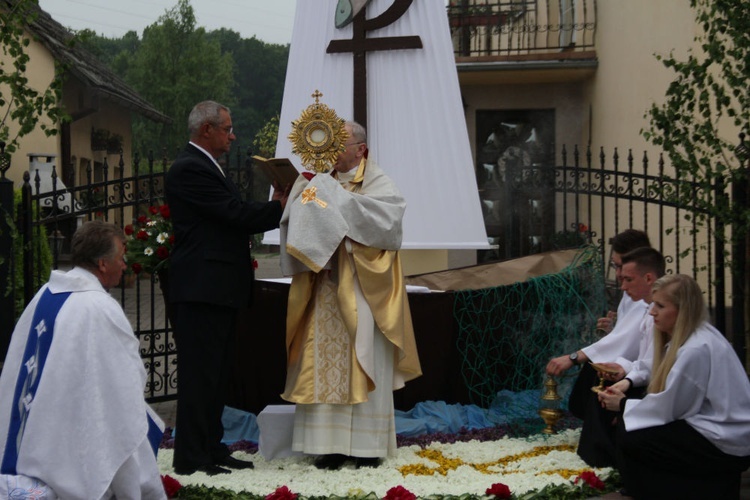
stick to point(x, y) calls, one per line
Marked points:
point(591, 479)
point(282, 493)
point(171, 486)
point(399, 493)
point(498, 490)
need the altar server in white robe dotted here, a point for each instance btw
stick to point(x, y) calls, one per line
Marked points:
point(73, 420)
point(350, 341)
point(621, 344)
point(689, 437)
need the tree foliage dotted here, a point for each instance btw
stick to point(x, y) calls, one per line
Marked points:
point(708, 95)
point(259, 81)
point(114, 52)
point(176, 66)
point(264, 143)
point(20, 104)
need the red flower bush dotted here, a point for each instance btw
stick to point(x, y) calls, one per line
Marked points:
point(282, 493)
point(399, 493)
point(151, 240)
point(171, 486)
point(590, 478)
point(498, 490)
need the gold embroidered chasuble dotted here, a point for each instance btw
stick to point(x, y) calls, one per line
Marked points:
point(327, 362)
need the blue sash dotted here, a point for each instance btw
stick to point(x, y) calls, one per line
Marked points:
point(155, 434)
point(34, 358)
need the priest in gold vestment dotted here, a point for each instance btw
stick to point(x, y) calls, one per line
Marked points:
point(350, 340)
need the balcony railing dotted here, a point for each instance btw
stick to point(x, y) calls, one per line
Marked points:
point(521, 27)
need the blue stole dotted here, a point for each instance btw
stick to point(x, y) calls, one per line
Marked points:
point(154, 434)
point(34, 357)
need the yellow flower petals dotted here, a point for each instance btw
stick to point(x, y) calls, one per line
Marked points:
point(445, 464)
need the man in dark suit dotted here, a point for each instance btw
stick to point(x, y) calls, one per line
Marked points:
point(211, 275)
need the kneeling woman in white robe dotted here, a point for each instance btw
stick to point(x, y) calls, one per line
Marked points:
point(689, 437)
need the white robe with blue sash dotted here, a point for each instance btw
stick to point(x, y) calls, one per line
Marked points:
point(86, 433)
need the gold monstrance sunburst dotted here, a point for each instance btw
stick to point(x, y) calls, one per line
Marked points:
point(318, 136)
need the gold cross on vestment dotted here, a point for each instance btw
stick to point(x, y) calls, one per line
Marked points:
point(311, 194)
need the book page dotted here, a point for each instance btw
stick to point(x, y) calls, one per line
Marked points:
point(278, 170)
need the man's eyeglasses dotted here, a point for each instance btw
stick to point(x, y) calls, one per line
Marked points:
point(228, 130)
point(353, 144)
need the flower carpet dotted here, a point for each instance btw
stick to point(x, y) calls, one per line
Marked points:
point(539, 466)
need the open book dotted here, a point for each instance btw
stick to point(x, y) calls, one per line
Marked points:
point(278, 170)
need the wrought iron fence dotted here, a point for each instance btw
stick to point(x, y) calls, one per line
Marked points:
point(120, 199)
point(587, 197)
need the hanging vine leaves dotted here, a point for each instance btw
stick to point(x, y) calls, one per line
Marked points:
point(709, 93)
point(21, 105)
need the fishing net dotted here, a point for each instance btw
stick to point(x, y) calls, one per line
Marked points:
point(507, 334)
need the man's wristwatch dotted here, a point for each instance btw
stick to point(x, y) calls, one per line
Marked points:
point(574, 357)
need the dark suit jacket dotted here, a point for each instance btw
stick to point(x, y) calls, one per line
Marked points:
point(211, 259)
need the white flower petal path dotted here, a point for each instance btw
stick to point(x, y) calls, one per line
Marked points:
point(301, 477)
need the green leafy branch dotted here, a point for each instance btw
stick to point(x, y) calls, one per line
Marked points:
point(20, 104)
point(709, 94)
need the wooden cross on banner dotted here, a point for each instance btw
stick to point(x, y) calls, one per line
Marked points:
point(360, 45)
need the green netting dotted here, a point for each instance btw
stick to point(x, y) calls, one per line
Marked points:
point(507, 334)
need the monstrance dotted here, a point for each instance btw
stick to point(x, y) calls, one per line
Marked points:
point(318, 136)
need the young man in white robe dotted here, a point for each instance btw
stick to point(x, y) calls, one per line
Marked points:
point(73, 419)
point(350, 340)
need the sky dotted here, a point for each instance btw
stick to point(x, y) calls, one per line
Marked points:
point(267, 20)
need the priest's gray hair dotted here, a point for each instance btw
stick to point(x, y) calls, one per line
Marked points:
point(205, 112)
point(94, 241)
point(359, 134)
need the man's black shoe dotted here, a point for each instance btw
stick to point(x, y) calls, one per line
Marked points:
point(209, 470)
point(235, 463)
point(331, 462)
point(360, 462)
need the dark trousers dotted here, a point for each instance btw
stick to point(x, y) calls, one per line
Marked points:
point(580, 394)
point(596, 445)
point(676, 461)
point(205, 336)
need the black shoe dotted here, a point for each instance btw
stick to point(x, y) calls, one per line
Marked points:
point(209, 470)
point(360, 462)
point(235, 463)
point(330, 462)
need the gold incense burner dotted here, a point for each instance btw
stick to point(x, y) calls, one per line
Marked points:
point(549, 407)
point(601, 370)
